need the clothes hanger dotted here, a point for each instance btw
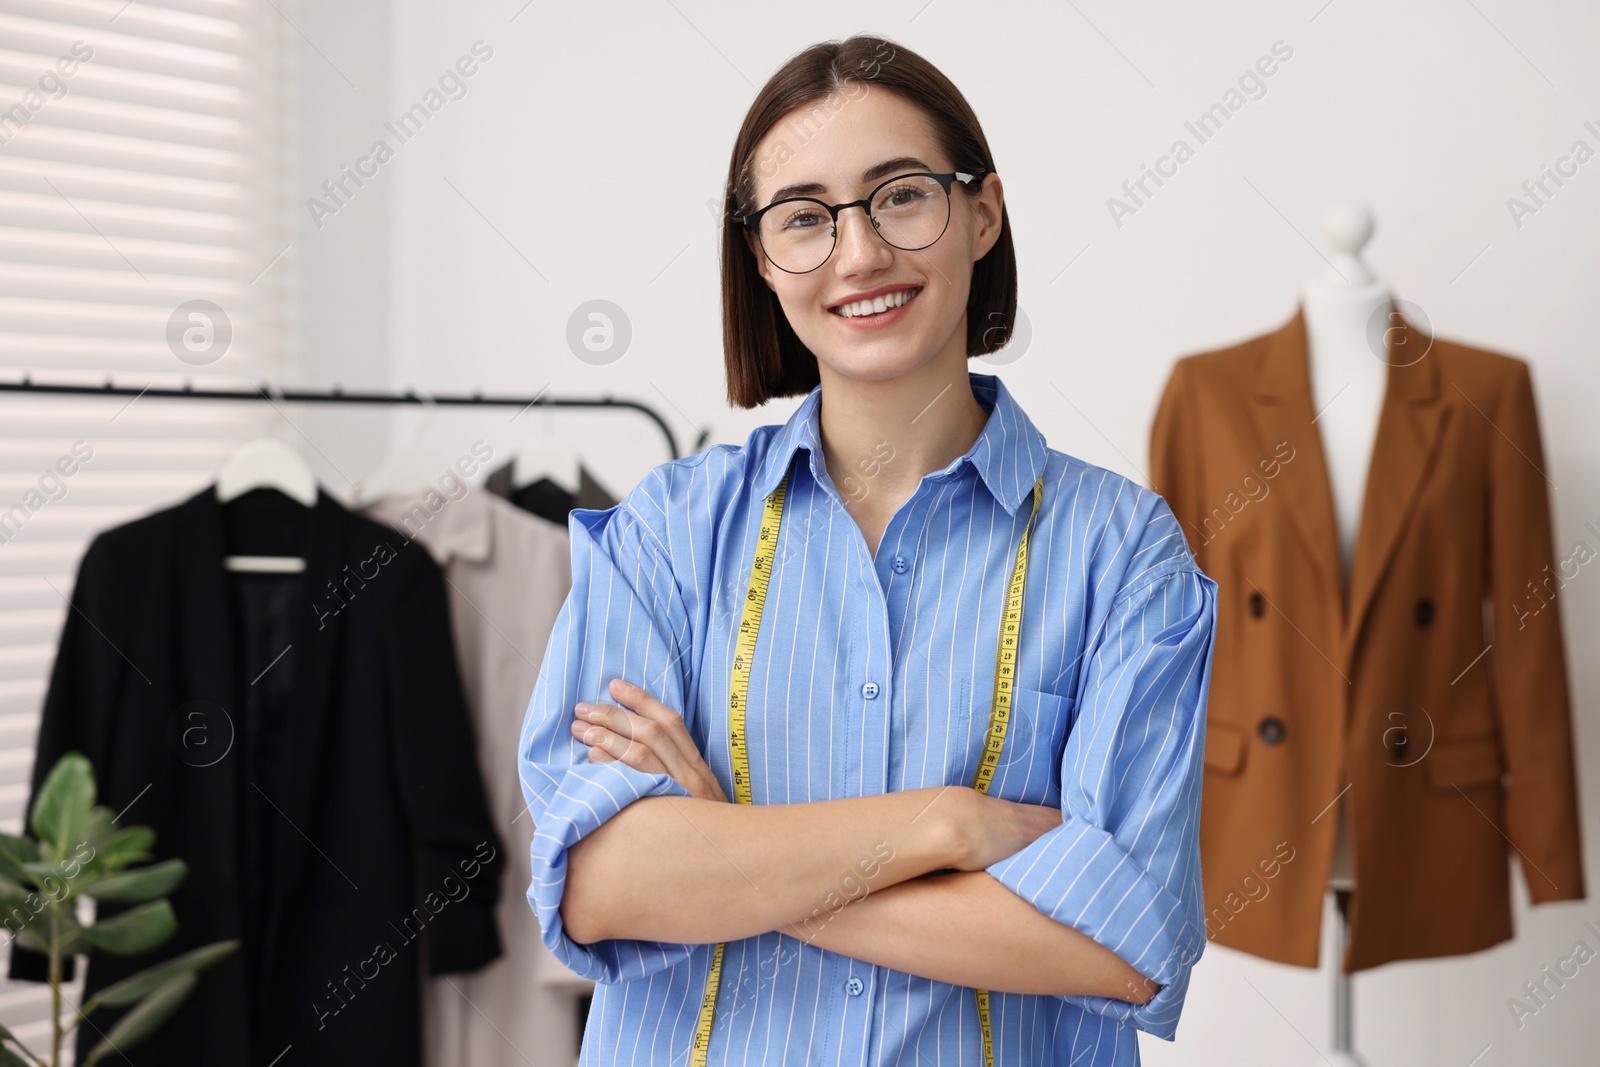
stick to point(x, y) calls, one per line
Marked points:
point(546, 455)
point(406, 467)
point(266, 463)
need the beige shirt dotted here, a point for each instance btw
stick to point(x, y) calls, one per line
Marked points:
point(508, 573)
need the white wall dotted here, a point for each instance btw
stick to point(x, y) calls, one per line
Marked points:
point(460, 264)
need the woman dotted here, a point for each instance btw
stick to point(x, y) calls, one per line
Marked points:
point(960, 830)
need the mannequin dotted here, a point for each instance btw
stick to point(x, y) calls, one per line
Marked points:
point(1348, 380)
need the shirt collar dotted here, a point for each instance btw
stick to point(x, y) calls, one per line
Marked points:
point(1009, 454)
point(449, 529)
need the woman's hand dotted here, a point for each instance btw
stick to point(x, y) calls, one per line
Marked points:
point(988, 829)
point(651, 738)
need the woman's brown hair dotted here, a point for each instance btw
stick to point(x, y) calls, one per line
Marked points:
point(763, 356)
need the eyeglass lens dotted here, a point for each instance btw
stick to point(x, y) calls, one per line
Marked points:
point(909, 213)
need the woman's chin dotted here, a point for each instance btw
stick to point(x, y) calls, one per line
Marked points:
point(875, 363)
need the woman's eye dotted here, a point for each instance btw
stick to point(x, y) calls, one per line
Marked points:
point(802, 220)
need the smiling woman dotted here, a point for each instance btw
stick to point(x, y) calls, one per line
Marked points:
point(984, 658)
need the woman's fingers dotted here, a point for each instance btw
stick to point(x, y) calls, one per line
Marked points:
point(596, 731)
point(671, 729)
point(661, 729)
point(648, 736)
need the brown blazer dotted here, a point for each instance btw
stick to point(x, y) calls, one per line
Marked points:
point(1431, 701)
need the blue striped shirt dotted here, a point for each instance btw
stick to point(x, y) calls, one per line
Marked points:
point(874, 674)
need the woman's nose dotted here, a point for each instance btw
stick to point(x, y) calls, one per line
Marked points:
point(858, 239)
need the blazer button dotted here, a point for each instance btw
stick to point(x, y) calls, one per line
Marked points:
point(1424, 611)
point(1397, 746)
point(1271, 729)
point(1257, 605)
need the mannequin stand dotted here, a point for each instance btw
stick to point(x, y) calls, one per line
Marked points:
point(1343, 1052)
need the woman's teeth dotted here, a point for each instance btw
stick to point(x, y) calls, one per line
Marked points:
point(877, 305)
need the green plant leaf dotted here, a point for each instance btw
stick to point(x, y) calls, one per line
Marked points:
point(136, 887)
point(142, 1020)
point(11, 1059)
point(136, 930)
point(12, 894)
point(127, 846)
point(70, 938)
point(61, 813)
point(148, 980)
point(59, 881)
point(98, 834)
point(14, 852)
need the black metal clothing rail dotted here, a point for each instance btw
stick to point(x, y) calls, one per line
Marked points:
point(337, 395)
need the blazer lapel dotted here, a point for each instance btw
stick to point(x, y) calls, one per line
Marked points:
point(1283, 411)
point(1409, 426)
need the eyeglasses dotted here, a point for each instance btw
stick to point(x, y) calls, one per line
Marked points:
point(909, 211)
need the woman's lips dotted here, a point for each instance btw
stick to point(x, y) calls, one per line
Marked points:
point(880, 319)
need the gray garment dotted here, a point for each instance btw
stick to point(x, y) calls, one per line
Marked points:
point(508, 573)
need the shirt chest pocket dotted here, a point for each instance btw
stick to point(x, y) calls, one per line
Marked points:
point(1027, 767)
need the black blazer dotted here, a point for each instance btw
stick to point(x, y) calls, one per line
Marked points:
point(386, 864)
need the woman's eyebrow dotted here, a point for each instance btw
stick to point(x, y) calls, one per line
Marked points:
point(871, 174)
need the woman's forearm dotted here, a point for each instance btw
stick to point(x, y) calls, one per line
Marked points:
point(968, 929)
point(681, 869)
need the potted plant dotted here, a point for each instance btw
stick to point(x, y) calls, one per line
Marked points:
point(77, 850)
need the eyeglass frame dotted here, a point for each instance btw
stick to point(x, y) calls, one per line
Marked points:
point(752, 221)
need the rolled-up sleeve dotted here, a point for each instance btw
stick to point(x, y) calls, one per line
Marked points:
point(624, 618)
point(1124, 865)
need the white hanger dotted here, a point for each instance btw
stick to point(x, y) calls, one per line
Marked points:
point(407, 467)
point(546, 455)
point(266, 463)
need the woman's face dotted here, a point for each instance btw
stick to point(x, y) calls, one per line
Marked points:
point(833, 145)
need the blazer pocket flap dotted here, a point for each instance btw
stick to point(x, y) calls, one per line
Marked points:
point(1474, 762)
point(1224, 747)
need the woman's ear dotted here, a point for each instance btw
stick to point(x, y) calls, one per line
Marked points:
point(987, 206)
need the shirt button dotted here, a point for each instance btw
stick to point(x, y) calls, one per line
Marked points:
point(870, 690)
point(854, 987)
point(900, 564)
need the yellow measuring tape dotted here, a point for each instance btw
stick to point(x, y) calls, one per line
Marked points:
point(1005, 669)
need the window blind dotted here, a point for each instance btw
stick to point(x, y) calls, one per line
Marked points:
point(141, 228)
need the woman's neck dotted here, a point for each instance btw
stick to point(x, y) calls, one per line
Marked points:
point(887, 434)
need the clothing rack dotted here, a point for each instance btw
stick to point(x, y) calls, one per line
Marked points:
point(337, 395)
